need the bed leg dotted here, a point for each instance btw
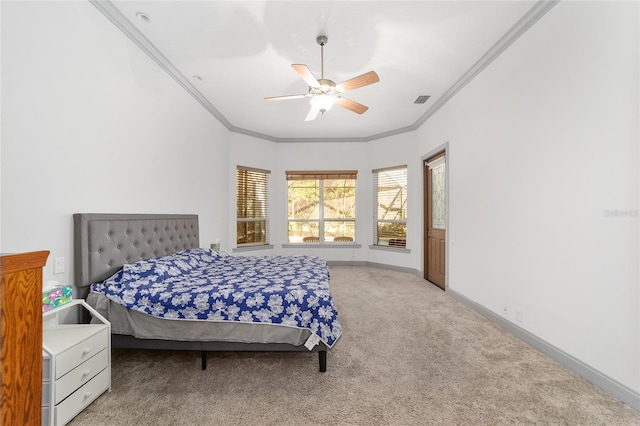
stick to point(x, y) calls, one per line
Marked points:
point(322, 358)
point(203, 355)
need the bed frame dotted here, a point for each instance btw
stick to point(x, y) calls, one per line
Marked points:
point(105, 242)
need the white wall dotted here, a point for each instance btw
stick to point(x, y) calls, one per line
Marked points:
point(279, 158)
point(397, 151)
point(91, 124)
point(542, 143)
point(324, 156)
point(260, 154)
point(363, 157)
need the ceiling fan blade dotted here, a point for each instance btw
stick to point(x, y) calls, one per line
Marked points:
point(306, 74)
point(313, 113)
point(351, 105)
point(285, 97)
point(359, 81)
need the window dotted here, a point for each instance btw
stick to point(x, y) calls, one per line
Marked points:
point(321, 206)
point(252, 206)
point(390, 207)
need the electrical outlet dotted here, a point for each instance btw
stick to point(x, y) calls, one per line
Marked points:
point(58, 265)
point(519, 315)
point(505, 310)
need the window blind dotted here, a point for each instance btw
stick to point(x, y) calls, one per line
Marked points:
point(320, 175)
point(390, 206)
point(252, 197)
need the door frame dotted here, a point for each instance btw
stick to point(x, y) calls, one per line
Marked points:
point(440, 149)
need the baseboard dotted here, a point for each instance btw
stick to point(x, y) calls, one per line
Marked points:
point(590, 374)
point(593, 376)
point(347, 263)
point(374, 265)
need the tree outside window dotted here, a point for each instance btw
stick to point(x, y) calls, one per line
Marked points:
point(321, 206)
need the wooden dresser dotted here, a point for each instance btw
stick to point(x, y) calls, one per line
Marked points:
point(21, 338)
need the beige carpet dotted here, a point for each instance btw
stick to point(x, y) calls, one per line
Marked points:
point(409, 355)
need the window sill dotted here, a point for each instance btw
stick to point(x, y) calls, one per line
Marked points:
point(251, 248)
point(322, 245)
point(390, 248)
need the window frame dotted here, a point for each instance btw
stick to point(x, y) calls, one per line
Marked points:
point(322, 176)
point(265, 183)
point(399, 242)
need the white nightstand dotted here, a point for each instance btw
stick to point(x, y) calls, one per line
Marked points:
point(76, 361)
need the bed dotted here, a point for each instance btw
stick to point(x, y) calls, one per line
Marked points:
point(116, 250)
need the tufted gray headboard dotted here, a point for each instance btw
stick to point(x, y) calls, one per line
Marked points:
point(105, 242)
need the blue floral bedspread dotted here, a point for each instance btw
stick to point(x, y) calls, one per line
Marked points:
point(199, 284)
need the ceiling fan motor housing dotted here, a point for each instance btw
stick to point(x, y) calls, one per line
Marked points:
point(326, 87)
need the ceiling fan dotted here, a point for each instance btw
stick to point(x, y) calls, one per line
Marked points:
point(323, 93)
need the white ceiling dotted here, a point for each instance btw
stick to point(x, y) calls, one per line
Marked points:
point(243, 51)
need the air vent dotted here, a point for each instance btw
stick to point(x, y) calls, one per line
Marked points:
point(421, 99)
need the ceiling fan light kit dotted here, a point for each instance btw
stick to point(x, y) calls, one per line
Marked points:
point(324, 93)
point(322, 102)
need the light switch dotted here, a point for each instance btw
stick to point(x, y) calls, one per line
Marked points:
point(58, 265)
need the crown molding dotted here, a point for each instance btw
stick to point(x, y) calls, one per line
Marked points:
point(121, 22)
point(537, 11)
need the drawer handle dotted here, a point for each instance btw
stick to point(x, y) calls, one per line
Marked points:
point(87, 395)
point(85, 373)
point(86, 351)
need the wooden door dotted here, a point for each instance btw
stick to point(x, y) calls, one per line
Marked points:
point(435, 219)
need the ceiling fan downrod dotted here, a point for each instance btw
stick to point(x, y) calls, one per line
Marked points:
point(322, 40)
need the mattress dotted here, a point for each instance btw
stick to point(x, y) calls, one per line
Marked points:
point(198, 295)
point(143, 326)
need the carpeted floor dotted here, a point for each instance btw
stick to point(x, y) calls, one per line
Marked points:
point(409, 355)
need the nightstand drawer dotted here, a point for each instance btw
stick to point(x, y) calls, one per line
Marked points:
point(81, 352)
point(80, 375)
point(76, 402)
